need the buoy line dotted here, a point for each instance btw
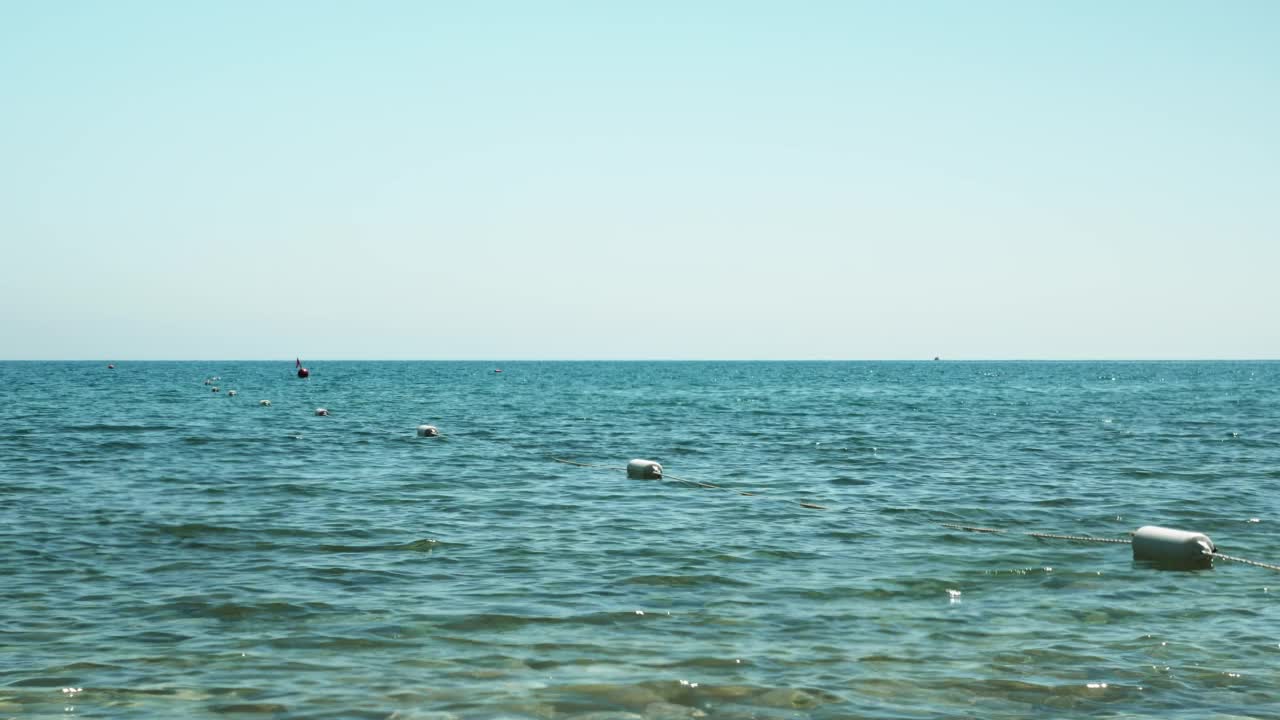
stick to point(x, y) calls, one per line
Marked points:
point(1051, 536)
point(1175, 549)
point(1171, 549)
point(693, 483)
point(1080, 538)
point(581, 464)
point(1243, 561)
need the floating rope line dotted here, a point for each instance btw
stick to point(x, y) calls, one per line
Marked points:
point(972, 528)
point(687, 481)
point(743, 492)
point(1081, 538)
point(1051, 536)
point(1117, 541)
point(581, 464)
point(1242, 561)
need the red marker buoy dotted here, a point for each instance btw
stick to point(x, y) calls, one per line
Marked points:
point(302, 372)
point(111, 367)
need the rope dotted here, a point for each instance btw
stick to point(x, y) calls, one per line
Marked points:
point(1117, 541)
point(687, 481)
point(698, 483)
point(1243, 561)
point(1081, 538)
point(580, 464)
point(971, 528)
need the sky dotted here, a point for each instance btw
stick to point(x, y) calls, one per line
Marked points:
point(659, 180)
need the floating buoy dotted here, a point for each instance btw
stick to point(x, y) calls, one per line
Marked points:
point(428, 431)
point(215, 388)
point(1173, 549)
point(208, 382)
point(321, 411)
point(111, 367)
point(264, 403)
point(303, 372)
point(497, 370)
point(644, 470)
point(231, 393)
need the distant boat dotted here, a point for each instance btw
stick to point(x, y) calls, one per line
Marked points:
point(936, 358)
point(497, 370)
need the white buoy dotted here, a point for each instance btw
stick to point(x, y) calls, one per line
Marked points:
point(264, 403)
point(428, 431)
point(644, 470)
point(1173, 549)
point(321, 411)
point(231, 393)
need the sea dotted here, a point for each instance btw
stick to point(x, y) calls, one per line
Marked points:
point(169, 549)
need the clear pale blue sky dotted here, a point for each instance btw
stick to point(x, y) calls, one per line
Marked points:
point(498, 180)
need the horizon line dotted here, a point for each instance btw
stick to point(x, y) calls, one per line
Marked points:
point(664, 360)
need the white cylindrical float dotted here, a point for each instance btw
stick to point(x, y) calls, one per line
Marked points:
point(428, 431)
point(321, 411)
point(264, 403)
point(231, 393)
point(215, 388)
point(1171, 549)
point(644, 470)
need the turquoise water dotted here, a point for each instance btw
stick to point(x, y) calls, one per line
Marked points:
point(168, 551)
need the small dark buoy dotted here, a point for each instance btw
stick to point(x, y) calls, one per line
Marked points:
point(428, 431)
point(936, 358)
point(497, 370)
point(302, 372)
point(321, 412)
point(111, 367)
point(215, 388)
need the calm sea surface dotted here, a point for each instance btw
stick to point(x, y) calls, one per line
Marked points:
point(169, 551)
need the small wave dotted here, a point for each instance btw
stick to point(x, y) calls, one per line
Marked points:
point(120, 445)
point(249, 708)
point(845, 480)
point(271, 609)
point(492, 622)
point(332, 643)
point(424, 545)
point(156, 637)
point(103, 427)
point(882, 658)
point(192, 530)
point(785, 554)
point(45, 681)
point(682, 580)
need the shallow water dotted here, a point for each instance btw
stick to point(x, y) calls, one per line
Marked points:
point(166, 550)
